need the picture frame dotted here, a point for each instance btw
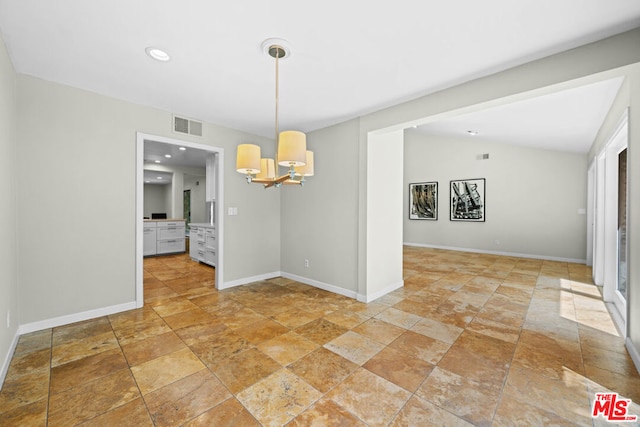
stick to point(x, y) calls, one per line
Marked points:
point(423, 200)
point(467, 200)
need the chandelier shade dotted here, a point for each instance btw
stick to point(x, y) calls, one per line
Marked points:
point(267, 169)
point(292, 148)
point(307, 169)
point(248, 159)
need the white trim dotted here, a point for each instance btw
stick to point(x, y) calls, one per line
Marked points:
point(59, 321)
point(315, 283)
point(76, 317)
point(511, 254)
point(321, 285)
point(7, 359)
point(247, 280)
point(139, 250)
point(598, 248)
point(140, 138)
point(617, 143)
point(368, 298)
point(633, 352)
point(616, 316)
point(591, 212)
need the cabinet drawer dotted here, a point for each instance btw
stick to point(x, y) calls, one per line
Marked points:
point(149, 224)
point(172, 245)
point(170, 233)
point(149, 241)
point(210, 256)
point(166, 224)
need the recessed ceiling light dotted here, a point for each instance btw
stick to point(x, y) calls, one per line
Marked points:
point(472, 132)
point(168, 156)
point(182, 149)
point(157, 54)
point(147, 182)
point(157, 161)
point(159, 177)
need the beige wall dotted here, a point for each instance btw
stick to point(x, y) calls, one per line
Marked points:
point(78, 216)
point(532, 197)
point(196, 183)
point(8, 216)
point(319, 220)
point(155, 199)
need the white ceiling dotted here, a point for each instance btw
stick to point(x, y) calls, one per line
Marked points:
point(155, 159)
point(349, 57)
point(566, 121)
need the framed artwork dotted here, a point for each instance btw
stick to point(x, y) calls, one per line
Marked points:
point(468, 200)
point(423, 200)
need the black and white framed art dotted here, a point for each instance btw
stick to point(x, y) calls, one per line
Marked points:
point(467, 198)
point(423, 200)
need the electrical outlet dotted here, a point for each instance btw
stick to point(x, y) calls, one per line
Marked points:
point(306, 263)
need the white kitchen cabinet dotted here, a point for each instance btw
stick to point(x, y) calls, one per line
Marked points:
point(149, 247)
point(203, 244)
point(170, 246)
point(170, 237)
point(196, 242)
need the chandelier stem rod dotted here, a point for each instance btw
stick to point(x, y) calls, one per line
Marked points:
point(277, 166)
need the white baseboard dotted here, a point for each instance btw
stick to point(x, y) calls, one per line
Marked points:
point(59, 321)
point(247, 280)
point(321, 285)
point(633, 352)
point(7, 360)
point(512, 254)
point(368, 298)
point(76, 317)
point(316, 284)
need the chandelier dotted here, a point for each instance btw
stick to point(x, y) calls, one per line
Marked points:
point(291, 145)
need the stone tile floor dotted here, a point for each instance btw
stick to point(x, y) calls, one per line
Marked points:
point(471, 339)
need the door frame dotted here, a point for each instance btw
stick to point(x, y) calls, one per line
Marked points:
point(140, 139)
point(618, 142)
point(591, 214)
point(599, 247)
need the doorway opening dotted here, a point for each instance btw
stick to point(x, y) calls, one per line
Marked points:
point(186, 207)
point(205, 151)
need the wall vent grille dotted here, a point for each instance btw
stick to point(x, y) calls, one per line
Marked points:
point(187, 126)
point(484, 156)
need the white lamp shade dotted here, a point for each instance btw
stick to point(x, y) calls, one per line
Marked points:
point(248, 159)
point(306, 170)
point(292, 147)
point(267, 169)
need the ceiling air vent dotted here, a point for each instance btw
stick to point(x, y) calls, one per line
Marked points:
point(183, 125)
